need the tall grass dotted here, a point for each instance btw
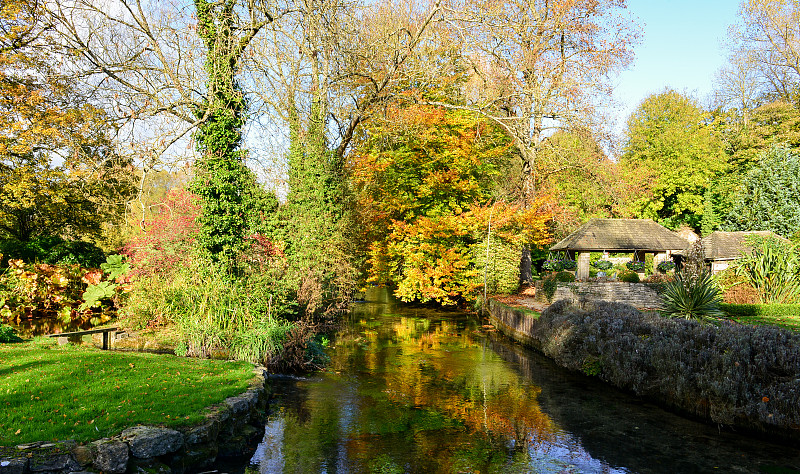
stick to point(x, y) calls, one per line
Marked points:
point(248, 318)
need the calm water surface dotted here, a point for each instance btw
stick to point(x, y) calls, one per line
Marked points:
point(413, 390)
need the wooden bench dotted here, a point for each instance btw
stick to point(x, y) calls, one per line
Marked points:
point(63, 337)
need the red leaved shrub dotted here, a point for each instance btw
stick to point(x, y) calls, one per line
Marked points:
point(168, 237)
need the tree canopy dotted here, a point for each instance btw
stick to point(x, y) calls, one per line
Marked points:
point(424, 180)
point(59, 171)
point(670, 140)
point(769, 198)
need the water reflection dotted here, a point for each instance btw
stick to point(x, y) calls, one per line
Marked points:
point(413, 390)
point(36, 326)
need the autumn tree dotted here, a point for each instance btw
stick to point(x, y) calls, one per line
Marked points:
point(670, 140)
point(768, 43)
point(583, 181)
point(425, 180)
point(59, 173)
point(322, 73)
point(540, 66)
point(770, 124)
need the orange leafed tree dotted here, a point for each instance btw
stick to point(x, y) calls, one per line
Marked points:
point(424, 179)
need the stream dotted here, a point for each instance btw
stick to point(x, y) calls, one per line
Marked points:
point(416, 390)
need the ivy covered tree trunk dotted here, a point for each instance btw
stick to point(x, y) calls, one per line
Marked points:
point(317, 215)
point(222, 177)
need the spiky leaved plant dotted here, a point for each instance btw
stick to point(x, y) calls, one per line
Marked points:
point(691, 297)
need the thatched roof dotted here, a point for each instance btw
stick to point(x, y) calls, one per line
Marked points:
point(720, 245)
point(622, 235)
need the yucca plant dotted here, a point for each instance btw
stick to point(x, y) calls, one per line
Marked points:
point(691, 298)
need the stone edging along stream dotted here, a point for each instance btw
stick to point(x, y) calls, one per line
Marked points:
point(750, 375)
point(228, 429)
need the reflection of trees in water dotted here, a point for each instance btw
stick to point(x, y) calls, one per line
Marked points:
point(624, 431)
point(36, 326)
point(416, 390)
point(428, 393)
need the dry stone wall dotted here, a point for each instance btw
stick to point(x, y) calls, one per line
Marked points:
point(227, 431)
point(639, 295)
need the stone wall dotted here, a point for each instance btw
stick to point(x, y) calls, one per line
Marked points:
point(227, 431)
point(515, 323)
point(639, 295)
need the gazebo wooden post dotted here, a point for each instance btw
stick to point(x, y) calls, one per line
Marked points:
point(582, 272)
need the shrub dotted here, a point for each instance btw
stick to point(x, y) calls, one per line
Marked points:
point(551, 281)
point(691, 298)
point(658, 281)
point(659, 278)
point(564, 277)
point(772, 268)
point(28, 290)
point(169, 237)
point(734, 288)
point(628, 277)
point(549, 287)
point(8, 334)
point(731, 374)
point(52, 251)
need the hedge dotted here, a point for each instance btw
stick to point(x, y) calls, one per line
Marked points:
point(746, 377)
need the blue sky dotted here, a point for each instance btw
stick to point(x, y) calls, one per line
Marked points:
point(681, 48)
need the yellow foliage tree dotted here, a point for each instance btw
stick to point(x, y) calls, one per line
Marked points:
point(58, 172)
point(425, 180)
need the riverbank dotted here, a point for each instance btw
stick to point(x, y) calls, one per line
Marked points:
point(123, 411)
point(732, 375)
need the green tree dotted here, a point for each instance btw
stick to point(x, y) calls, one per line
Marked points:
point(670, 141)
point(769, 198)
point(316, 219)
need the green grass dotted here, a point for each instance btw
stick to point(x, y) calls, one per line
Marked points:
point(782, 315)
point(529, 312)
point(50, 393)
point(786, 322)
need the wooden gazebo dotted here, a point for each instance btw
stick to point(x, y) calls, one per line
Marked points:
point(636, 236)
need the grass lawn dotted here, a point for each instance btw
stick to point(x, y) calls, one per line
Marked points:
point(50, 392)
point(783, 321)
